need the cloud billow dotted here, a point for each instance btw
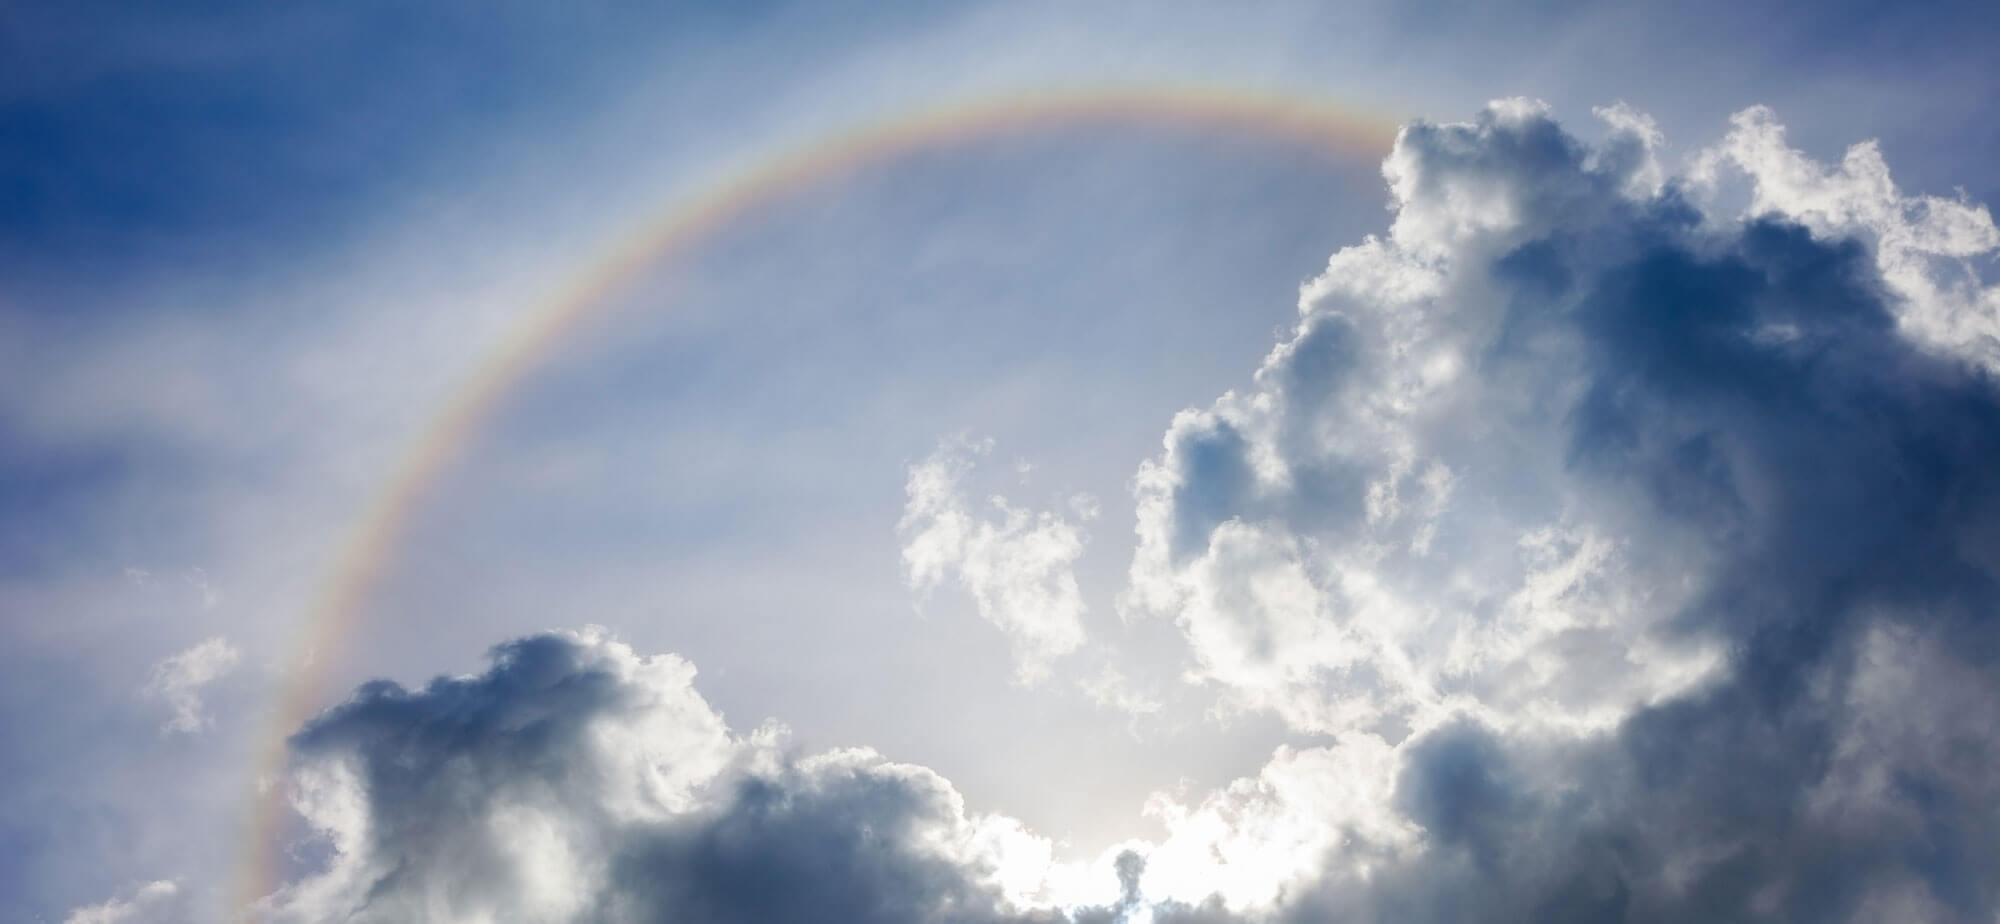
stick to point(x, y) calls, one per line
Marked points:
point(577, 780)
point(1626, 557)
point(1666, 515)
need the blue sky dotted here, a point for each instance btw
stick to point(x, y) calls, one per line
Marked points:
point(1582, 514)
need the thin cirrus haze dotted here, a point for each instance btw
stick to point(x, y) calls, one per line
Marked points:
point(1074, 463)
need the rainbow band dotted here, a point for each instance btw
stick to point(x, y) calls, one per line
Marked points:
point(1344, 132)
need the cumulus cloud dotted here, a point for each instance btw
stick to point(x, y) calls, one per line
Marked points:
point(1625, 559)
point(1385, 528)
point(179, 678)
point(1016, 564)
point(1922, 245)
point(578, 780)
point(1621, 524)
point(149, 902)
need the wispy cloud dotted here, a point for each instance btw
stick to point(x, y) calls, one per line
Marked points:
point(146, 903)
point(1017, 564)
point(179, 678)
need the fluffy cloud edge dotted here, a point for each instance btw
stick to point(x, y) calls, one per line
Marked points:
point(1016, 564)
point(1468, 773)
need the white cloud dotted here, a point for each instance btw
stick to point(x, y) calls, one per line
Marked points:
point(1307, 812)
point(1546, 510)
point(179, 679)
point(1384, 530)
point(577, 780)
point(1564, 511)
point(1016, 564)
point(146, 903)
point(1111, 689)
point(1921, 244)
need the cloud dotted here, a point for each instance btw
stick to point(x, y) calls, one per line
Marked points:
point(577, 780)
point(1922, 245)
point(179, 679)
point(1623, 559)
point(1385, 528)
point(1111, 689)
point(1016, 564)
point(148, 902)
point(1620, 527)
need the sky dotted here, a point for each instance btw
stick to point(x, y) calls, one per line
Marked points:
point(1028, 462)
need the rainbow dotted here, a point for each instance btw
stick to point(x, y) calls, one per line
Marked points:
point(1341, 131)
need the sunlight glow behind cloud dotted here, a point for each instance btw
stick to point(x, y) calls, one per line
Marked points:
point(1564, 510)
point(1111, 463)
